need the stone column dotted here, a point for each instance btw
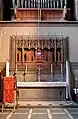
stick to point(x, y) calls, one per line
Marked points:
point(76, 10)
point(25, 4)
point(54, 4)
point(61, 3)
point(48, 3)
point(34, 3)
point(51, 4)
point(65, 2)
point(18, 4)
point(22, 3)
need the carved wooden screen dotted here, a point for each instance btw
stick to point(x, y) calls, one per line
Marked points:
point(23, 49)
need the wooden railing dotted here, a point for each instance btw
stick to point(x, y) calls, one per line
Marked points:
point(41, 14)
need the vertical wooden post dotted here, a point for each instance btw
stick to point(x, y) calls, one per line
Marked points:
point(16, 93)
point(22, 49)
point(15, 49)
point(62, 51)
point(55, 50)
point(22, 54)
point(2, 107)
point(51, 68)
point(40, 14)
point(61, 68)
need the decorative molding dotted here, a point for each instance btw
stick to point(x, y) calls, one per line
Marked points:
point(41, 24)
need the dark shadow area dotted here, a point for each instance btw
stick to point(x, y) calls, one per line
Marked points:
point(7, 11)
point(71, 5)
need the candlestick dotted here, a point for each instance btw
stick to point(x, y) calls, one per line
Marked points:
point(51, 68)
point(29, 46)
point(16, 67)
point(26, 68)
point(61, 68)
point(39, 74)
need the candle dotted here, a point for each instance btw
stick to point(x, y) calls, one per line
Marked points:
point(7, 67)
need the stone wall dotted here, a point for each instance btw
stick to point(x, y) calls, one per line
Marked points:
point(67, 30)
point(76, 9)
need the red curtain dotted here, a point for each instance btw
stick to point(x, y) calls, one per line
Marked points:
point(8, 89)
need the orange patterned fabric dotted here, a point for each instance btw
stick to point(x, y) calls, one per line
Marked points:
point(8, 89)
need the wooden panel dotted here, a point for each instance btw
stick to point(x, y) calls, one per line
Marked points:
point(43, 14)
point(42, 94)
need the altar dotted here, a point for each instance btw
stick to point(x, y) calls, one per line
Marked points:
point(42, 91)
